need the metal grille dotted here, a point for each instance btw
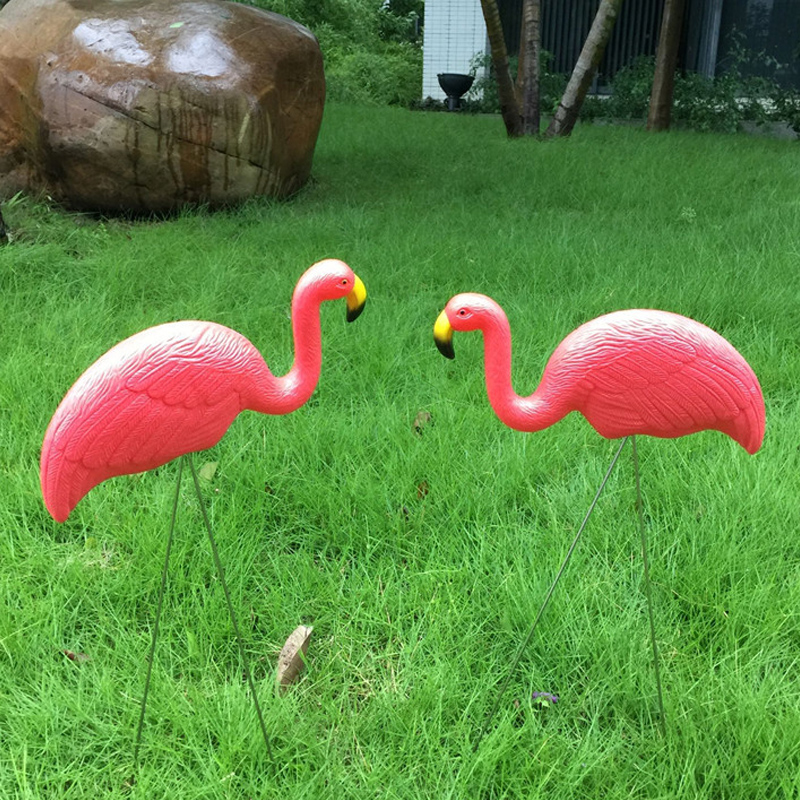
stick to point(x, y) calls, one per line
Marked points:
point(635, 34)
point(771, 26)
point(566, 23)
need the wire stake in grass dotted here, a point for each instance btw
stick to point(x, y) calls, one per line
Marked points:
point(648, 590)
point(159, 605)
point(548, 596)
point(231, 612)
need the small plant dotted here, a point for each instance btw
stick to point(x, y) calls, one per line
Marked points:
point(721, 103)
point(786, 107)
point(483, 98)
point(543, 699)
point(632, 85)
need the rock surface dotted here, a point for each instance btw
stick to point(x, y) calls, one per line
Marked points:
point(148, 105)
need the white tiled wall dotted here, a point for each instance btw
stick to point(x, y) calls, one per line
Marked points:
point(454, 33)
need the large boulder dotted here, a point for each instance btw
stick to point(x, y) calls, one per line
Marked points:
point(148, 105)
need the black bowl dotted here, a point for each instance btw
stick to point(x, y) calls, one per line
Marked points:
point(454, 84)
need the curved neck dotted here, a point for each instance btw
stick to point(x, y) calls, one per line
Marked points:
point(532, 413)
point(287, 393)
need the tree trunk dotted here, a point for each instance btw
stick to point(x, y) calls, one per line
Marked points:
point(529, 66)
point(509, 107)
point(593, 48)
point(669, 40)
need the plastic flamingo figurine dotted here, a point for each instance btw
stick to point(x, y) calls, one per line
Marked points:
point(628, 372)
point(175, 389)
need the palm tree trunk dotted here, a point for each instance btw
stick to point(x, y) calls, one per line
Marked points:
point(593, 48)
point(669, 40)
point(529, 66)
point(509, 107)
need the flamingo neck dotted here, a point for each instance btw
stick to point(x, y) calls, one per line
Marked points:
point(532, 413)
point(287, 393)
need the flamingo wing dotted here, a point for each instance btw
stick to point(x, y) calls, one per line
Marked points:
point(169, 390)
point(665, 375)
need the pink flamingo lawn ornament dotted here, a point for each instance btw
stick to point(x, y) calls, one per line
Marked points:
point(175, 389)
point(628, 372)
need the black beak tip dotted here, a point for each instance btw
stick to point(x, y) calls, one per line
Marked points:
point(446, 349)
point(354, 313)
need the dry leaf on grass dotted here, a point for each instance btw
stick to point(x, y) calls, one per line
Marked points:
point(290, 660)
point(78, 657)
point(206, 472)
point(420, 421)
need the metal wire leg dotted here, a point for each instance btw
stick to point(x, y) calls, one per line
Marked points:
point(159, 605)
point(231, 612)
point(648, 589)
point(549, 595)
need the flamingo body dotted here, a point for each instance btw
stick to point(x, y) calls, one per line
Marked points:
point(169, 390)
point(175, 389)
point(628, 372)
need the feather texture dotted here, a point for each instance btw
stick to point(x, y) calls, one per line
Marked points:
point(175, 389)
point(628, 372)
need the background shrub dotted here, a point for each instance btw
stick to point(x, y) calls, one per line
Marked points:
point(484, 98)
point(372, 49)
point(747, 91)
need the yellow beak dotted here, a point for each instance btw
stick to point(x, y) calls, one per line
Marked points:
point(356, 299)
point(443, 336)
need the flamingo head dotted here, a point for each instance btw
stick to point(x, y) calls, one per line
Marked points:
point(464, 312)
point(332, 279)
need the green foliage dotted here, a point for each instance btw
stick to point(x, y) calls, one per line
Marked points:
point(724, 102)
point(389, 75)
point(721, 103)
point(483, 98)
point(420, 560)
point(699, 103)
point(787, 108)
point(372, 49)
point(630, 97)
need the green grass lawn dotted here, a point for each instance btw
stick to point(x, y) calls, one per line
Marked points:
point(420, 560)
